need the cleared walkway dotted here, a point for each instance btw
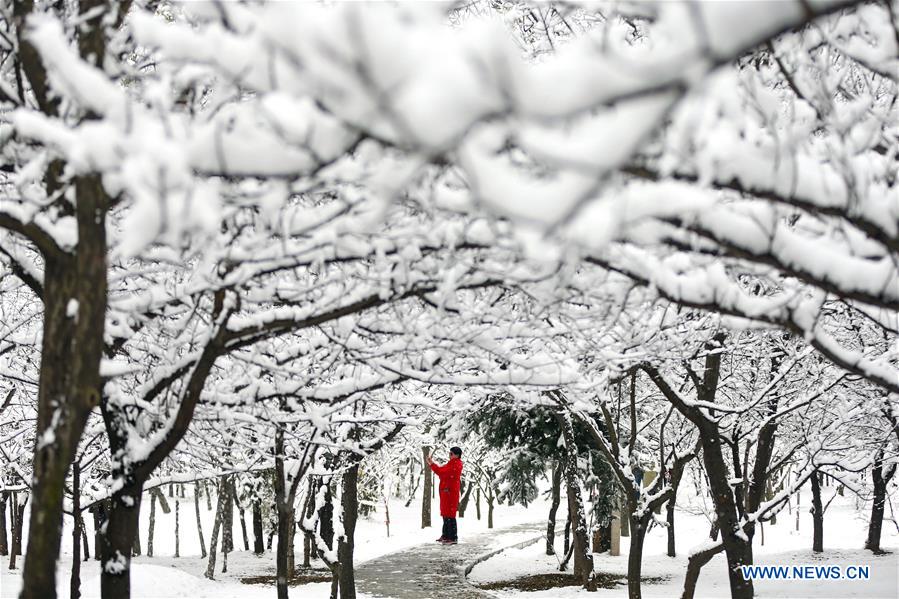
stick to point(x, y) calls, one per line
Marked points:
point(430, 570)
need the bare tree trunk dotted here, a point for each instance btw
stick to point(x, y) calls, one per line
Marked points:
point(4, 544)
point(554, 508)
point(135, 546)
point(69, 384)
point(583, 559)
point(258, 540)
point(120, 535)
point(152, 525)
point(477, 504)
point(694, 565)
point(670, 519)
point(227, 521)
point(427, 493)
point(177, 518)
point(18, 512)
point(635, 555)
point(291, 536)
point(99, 512)
point(216, 527)
point(197, 492)
point(243, 522)
point(75, 581)
point(880, 479)
point(346, 544)
point(285, 521)
point(490, 501)
point(86, 547)
point(463, 504)
point(817, 515)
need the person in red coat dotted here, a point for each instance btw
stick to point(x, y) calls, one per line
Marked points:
point(450, 475)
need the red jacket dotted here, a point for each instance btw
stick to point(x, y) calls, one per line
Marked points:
point(450, 481)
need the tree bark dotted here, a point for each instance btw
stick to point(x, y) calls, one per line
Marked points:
point(583, 559)
point(736, 544)
point(350, 504)
point(99, 510)
point(118, 542)
point(152, 525)
point(817, 514)
point(69, 383)
point(18, 512)
point(477, 503)
point(243, 521)
point(554, 508)
point(135, 545)
point(227, 488)
point(463, 504)
point(635, 556)
point(426, 494)
point(86, 548)
point(694, 565)
point(4, 543)
point(258, 540)
point(880, 479)
point(672, 552)
point(75, 580)
point(216, 527)
point(177, 523)
point(285, 521)
point(490, 501)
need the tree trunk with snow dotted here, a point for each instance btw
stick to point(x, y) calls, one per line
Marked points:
point(118, 541)
point(736, 544)
point(243, 521)
point(694, 565)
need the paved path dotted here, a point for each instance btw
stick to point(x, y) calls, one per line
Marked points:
point(432, 570)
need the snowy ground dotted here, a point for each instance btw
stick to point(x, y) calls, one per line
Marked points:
point(164, 576)
point(844, 534)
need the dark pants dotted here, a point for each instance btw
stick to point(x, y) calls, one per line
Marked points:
point(449, 529)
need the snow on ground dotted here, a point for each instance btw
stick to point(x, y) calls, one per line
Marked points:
point(844, 535)
point(164, 576)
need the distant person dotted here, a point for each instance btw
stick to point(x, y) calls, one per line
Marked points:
point(450, 475)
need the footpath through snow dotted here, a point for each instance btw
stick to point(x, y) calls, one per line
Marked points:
point(435, 571)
